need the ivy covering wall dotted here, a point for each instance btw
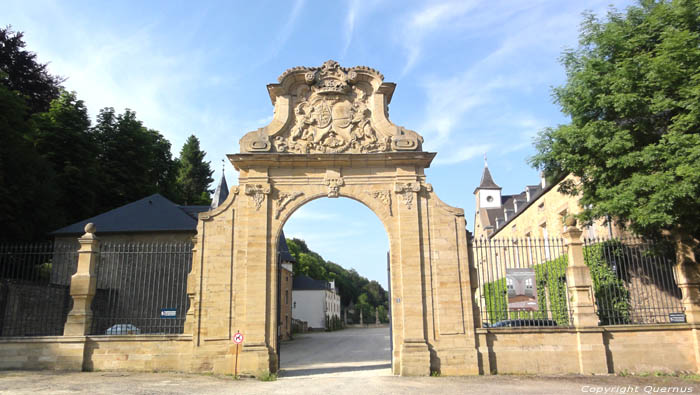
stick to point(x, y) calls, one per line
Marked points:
point(611, 296)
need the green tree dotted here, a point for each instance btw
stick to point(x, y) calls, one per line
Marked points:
point(194, 174)
point(135, 161)
point(26, 179)
point(64, 138)
point(633, 95)
point(19, 71)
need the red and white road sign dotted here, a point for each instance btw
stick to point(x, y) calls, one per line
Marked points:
point(238, 338)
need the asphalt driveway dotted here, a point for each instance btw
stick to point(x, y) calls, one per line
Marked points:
point(356, 352)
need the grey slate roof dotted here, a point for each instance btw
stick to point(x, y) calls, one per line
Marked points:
point(302, 282)
point(486, 180)
point(221, 192)
point(151, 214)
point(193, 211)
point(282, 247)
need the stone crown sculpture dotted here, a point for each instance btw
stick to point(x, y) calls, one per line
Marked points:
point(331, 110)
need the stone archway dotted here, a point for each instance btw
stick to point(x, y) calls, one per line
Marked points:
point(330, 137)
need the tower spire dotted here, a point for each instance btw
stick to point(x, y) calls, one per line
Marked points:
point(221, 192)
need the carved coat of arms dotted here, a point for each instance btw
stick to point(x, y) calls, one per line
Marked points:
point(331, 112)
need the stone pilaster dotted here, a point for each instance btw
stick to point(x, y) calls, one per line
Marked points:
point(415, 355)
point(260, 279)
point(83, 285)
point(591, 349)
point(688, 277)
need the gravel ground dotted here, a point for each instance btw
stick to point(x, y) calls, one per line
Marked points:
point(22, 382)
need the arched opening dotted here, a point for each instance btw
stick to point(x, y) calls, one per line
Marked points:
point(338, 290)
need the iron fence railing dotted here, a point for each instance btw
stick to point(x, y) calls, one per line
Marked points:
point(35, 287)
point(522, 282)
point(141, 288)
point(633, 281)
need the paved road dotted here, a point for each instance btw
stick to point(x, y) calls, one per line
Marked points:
point(350, 352)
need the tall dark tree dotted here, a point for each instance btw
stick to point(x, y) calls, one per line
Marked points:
point(195, 174)
point(64, 138)
point(22, 73)
point(134, 161)
point(26, 179)
point(633, 95)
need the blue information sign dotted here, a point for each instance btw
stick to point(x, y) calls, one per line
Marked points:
point(168, 313)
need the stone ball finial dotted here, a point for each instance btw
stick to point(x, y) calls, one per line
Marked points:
point(570, 221)
point(90, 228)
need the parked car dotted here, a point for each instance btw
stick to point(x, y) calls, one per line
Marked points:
point(123, 329)
point(523, 322)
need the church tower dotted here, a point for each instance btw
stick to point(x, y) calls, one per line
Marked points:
point(488, 193)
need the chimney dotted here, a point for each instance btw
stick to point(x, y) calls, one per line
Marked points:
point(543, 180)
point(529, 193)
point(509, 213)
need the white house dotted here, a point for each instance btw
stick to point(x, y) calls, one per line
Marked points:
point(314, 300)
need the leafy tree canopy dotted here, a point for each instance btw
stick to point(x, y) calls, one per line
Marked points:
point(633, 95)
point(20, 71)
point(352, 286)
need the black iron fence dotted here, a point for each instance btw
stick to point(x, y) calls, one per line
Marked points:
point(633, 281)
point(522, 282)
point(141, 288)
point(35, 287)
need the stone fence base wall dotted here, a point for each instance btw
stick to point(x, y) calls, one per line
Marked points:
point(613, 349)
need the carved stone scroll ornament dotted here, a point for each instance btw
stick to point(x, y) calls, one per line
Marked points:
point(334, 185)
point(257, 192)
point(382, 196)
point(331, 110)
point(283, 199)
point(407, 191)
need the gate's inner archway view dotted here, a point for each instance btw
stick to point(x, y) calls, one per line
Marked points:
point(334, 316)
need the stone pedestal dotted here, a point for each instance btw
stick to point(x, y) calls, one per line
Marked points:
point(83, 285)
point(591, 349)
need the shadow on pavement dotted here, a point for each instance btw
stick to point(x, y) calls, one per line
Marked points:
point(336, 369)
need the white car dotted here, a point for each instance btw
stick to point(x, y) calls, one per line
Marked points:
point(123, 329)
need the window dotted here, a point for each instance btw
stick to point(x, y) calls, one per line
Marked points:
point(509, 283)
point(286, 296)
point(489, 199)
point(545, 238)
point(528, 283)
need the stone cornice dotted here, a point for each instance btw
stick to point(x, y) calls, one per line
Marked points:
point(386, 159)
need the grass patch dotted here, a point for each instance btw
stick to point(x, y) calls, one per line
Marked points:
point(267, 376)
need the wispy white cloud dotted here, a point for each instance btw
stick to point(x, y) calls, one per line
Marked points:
point(416, 26)
point(470, 96)
point(287, 29)
point(350, 16)
point(463, 154)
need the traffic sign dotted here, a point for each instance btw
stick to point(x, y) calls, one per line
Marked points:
point(238, 338)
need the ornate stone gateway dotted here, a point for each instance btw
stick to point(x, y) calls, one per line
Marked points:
point(330, 137)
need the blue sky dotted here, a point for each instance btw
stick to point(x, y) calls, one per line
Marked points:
point(473, 77)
